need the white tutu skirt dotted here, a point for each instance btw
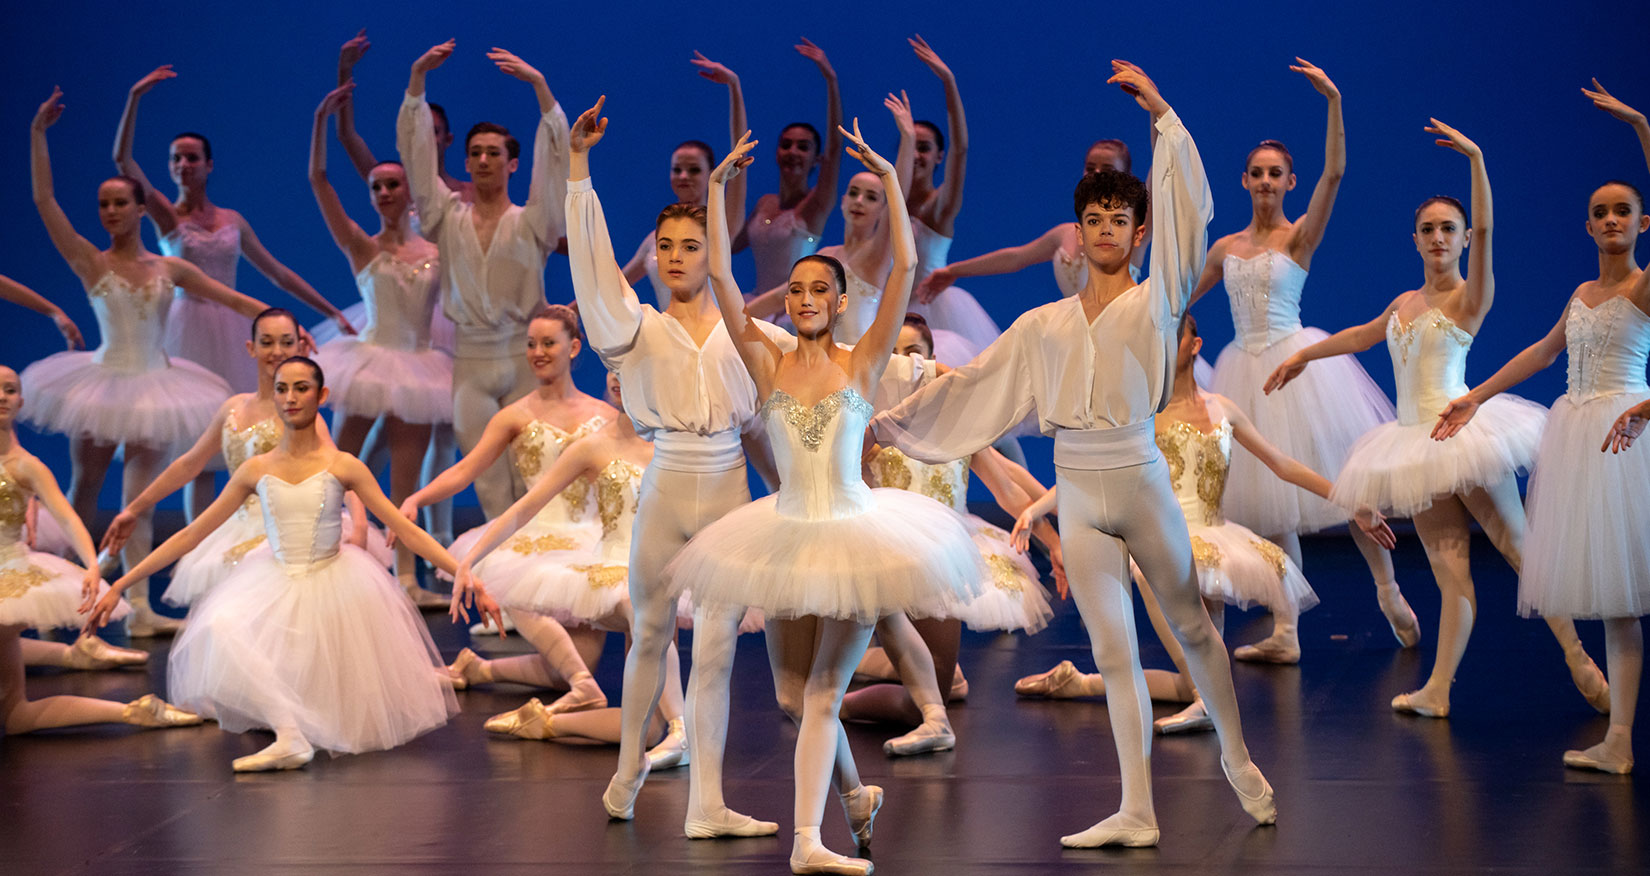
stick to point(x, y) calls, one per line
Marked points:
point(70, 393)
point(574, 587)
point(42, 591)
point(239, 539)
point(538, 544)
point(1587, 542)
point(372, 381)
point(213, 337)
point(1315, 419)
point(1238, 567)
point(1012, 597)
point(442, 329)
point(907, 553)
point(333, 649)
point(1399, 469)
point(954, 310)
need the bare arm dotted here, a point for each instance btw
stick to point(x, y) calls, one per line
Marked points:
point(82, 256)
point(495, 439)
point(1309, 228)
point(37, 478)
point(578, 460)
point(360, 154)
point(355, 243)
point(1012, 258)
point(756, 350)
point(941, 213)
point(173, 478)
point(815, 208)
point(284, 278)
point(1214, 269)
point(871, 354)
point(241, 484)
point(23, 296)
point(1537, 356)
point(738, 126)
point(195, 282)
point(353, 474)
point(1349, 340)
point(158, 206)
point(1604, 100)
point(546, 204)
point(1478, 294)
point(635, 269)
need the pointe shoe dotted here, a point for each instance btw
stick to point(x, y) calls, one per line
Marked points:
point(1405, 628)
point(531, 721)
point(91, 652)
point(1282, 647)
point(583, 696)
point(425, 600)
point(726, 823)
point(620, 797)
point(1260, 807)
point(861, 806)
point(1047, 684)
point(468, 663)
point(1405, 702)
point(808, 855)
point(672, 751)
point(959, 688)
point(1111, 832)
point(275, 757)
point(1591, 682)
point(152, 711)
point(1595, 759)
point(1192, 719)
point(144, 623)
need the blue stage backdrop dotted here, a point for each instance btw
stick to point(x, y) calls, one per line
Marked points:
point(251, 74)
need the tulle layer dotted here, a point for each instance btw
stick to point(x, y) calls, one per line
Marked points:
point(1587, 542)
point(240, 538)
point(574, 587)
point(372, 381)
point(1315, 419)
point(441, 328)
point(1400, 469)
point(1239, 567)
point(72, 394)
point(1012, 597)
point(334, 649)
point(42, 591)
point(954, 310)
point(538, 544)
point(906, 554)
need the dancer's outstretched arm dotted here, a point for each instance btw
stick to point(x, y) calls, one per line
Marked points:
point(1356, 339)
point(757, 351)
point(1608, 102)
point(940, 213)
point(355, 243)
point(495, 439)
point(547, 190)
point(155, 203)
point(1309, 228)
point(35, 477)
point(1478, 293)
point(1537, 356)
point(180, 472)
point(83, 257)
point(23, 296)
point(870, 356)
point(360, 154)
point(734, 194)
point(815, 208)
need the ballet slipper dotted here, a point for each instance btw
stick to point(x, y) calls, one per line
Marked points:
point(469, 668)
point(91, 652)
point(620, 797)
point(1589, 680)
point(809, 855)
point(1405, 628)
point(1048, 684)
point(672, 751)
point(531, 721)
point(861, 806)
point(1410, 703)
point(959, 688)
point(144, 623)
point(1614, 755)
point(425, 600)
point(584, 694)
point(1260, 806)
point(1283, 646)
point(281, 755)
point(933, 734)
point(1192, 719)
point(726, 823)
point(1113, 831)
point(152, 711)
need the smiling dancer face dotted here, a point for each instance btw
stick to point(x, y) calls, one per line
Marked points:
point(274, 340)
point(690, 168)
point(864, 204)
point(552, 345)
point(816, 296)
point(797, 154)
point(1111, 212)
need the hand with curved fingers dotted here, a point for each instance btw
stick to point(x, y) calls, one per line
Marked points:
point(350, 53)
point(90, 582)
point(306, 341)
point(900, 108)
point(814, 53)
point(867, 156)
point(1289, 370)
point(937, 281)
point(468, 589)
point(1020, 535)
point(1315, 75)
point(335, 99)
point(434, 57)
point(153, 78)
point(102, 612)
point(50, 111)
point(735, 161)
point(1137, 84)
point(1627, 428)
point(713, 70)
point(1608, 102)
point(1453, 139)
point(70, 332)
point(1454, 417)
point(927, 55)
point(512, 64)
point(120, 529)
point(1374, 525)
point(1057, 566)
point(589, 128)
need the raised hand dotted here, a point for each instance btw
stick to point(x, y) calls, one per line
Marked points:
point(1374, 525)
point(155, 77)
point(1138, 85)
point(712, 70)
point(69, 331)
point(120, 529)
point(1454, 417)
point(1289, 370)
point(737, 160)
point(930, 57)
point(1315, 75)
point(515, 66)
point(1627, 428)
point(873, 162)
point(589, 128)
point(900, 107)
point(1453, 139)
point(817, 55)
point(435, 57)
point(335, 100)
point(1608, 102)
point(50, 111)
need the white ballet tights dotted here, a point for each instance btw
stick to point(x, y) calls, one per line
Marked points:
point(481, 387)
point(559, 659)
point(1624, 647)
point(823, 757)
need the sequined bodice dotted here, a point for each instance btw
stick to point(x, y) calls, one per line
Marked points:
point(864, 297)
point(14, 504)
point(535, 448)
point(776, 243)
point(933, 248)
point(400, 298)
point(1198, 462)
point(946, 484)
point(617, 489)
point(817, 450)
point(131, 320)
point(217, 252)
point(303, 521)
point(240, 444)
point(1265, 295)
point(1608, 346)
point(1429, 364)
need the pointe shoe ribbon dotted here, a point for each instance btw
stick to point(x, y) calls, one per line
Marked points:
point(583, 696)
point(1591, 683)
point(1261, 806)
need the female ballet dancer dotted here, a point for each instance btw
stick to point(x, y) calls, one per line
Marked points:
point(1586, 555)
point(127, 394)
point(536, 429)
point(1317, 420)
point(23, 296)
point(787, 226)
point(1062, 361)
point(1397, 467)
point(826, 556)
point(43, 591)
point(389, 372)
point(312, 640)
point(690, 166)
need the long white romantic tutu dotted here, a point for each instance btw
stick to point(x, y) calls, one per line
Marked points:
point(241, 537)
point(43, 591)
point(75, 395)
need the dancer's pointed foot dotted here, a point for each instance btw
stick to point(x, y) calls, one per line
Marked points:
point(620, 797)
point(1589, 680)
point(1613, 755)
point(726, 823)
point(1056, 683)
point(152, 711)
point(1283, 646)
point(933, 734)
point(1116, 830)
point(809, 855)
point(1421, 703)
point(861, 806)
point(531, 721)
point(1192, 719)
point(959, 687)
point(469, 668)
point(672, 751)
point(584, 694)
point(1405, 628)
point(91, 652)
point(281, 755)
point(1253, 791)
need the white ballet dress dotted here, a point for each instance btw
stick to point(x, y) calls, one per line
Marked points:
point(206, 332)
point(1233, 563)
point(127, 390)
point(1012, 597)
point(776, 243)
point(36, 590)
point(1397, 468)
point(953, 310)
point(1587, 542)
point(1315, 419)
point(827, 545)
point(390, 368)
point(312, 634)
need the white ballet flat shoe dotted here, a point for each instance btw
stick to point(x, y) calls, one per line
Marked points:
point(620, 797)
point(861, 806)
point(727, 823)
point(1261, 807)
point(1112, 834)
point(271, 759)
point(810, 856)
point(672, 751)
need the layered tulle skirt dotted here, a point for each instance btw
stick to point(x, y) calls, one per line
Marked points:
point(576, 587)
point(1012, 595)
point(371, 381)
point(42, 591)
point(73, 394)
point(333, 648)
point(1236, 566)
point(1587, 540)
point(1315, 419)
point(239, 538)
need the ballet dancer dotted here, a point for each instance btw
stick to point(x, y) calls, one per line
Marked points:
point(1586, 555)
point(1397, 467)
point(492, 251)
point(313, 639)
point(1095, 368)
point(23, 296)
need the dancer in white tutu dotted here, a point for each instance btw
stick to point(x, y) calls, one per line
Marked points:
point(126, 395)
point(1094, 369)
point(23, 296)
point(1587, 553)
point(1317, 419)
point(312, 640)
point(44, 591)
point(825, 557)
point(1399, 469)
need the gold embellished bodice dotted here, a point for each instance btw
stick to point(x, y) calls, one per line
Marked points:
point(535, 448)
point(1197, 468)
point(946, 484)
point(617, 489)
point(242, 443)
point(14, 505)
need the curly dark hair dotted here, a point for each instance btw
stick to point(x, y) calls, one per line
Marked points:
point(1111, 189)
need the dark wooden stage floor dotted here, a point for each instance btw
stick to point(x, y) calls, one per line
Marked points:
point(1360, 789)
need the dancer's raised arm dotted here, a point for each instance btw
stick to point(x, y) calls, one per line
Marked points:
point(738, 126)
point(23, 296)
point(547, 190)
point(1309, 228)
point(816, 207)
point(157, 205)
point(360, 154)
point(757, 351)
point(194, 281)
point(940, 211)
point(608, 306)
point(415, 142)
point(356, 244)
point(1476, 296)
point(1608, 102)
point(81, 254)
point(871, 353)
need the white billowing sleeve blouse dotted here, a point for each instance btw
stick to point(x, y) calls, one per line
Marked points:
point(1053, 363)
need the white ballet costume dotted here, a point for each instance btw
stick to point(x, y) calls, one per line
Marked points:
point(36, 590)
point(127, 390)
point(1587, 542)
point(1012, 597)
point(953, 310)
point(206, 332)
point(1397, 467)
point(311, 635)
point(776, 243)
point(1071, 274)
point(390, 368)
point(1233, 563)
point(1315, 419)
point(827, 545)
